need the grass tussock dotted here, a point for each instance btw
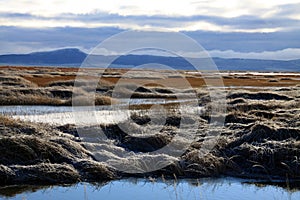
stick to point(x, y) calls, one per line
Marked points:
point(15, 81)
point(31, 153)
point(98, 100)
point(31, 100)
point(259, 96)
point(59, 97)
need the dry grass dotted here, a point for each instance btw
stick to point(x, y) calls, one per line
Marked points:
point(259, 96)
point(43, 81)
point(35, 154)
point(195, 81)
point(98, 100)
point(260, 138)
point(15, 81)
point(31, 100)
point(44, 173)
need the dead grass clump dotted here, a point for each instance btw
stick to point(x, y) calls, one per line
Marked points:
point(261, 133)
point(246, 107)
point(15, 81)
point(15, 127)
point(98, 100)
point(203, 165)
point(147, 95)
point(6, 175)
point(237, 118)
point(167, 106)
point(72, 147)
point(45, 173)
point(133, 143)
point(50, 158)
point(237, 101)
point(204, 99)
point(264, 151)
point(79, 83)
point(262, 113)
point(113, 131)
point(94, 171)
point(227, 77)
point(286, 79)
point(30, 100)
point(259, 96)
point(69, 129)
point(140, 119)
point(147, 144)
point(163, 90)
point(61, 93)
point(175, 120)
point(65, 83)
point(30, 91)
point(32, 150)
point(137, 140)
point(104, 100)
point(143, 89)
point(7, 121)
point(270, 160)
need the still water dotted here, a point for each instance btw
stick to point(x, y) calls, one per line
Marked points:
point(223, 188)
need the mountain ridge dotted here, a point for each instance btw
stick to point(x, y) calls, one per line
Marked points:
point(73, 56)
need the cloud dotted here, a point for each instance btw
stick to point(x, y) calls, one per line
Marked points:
point(274, 45)
point(229, 8)
point(248, 24)
point(285, 54)
point(233, 28)
point(246, 42)
point(215, 15)
point(26, 40)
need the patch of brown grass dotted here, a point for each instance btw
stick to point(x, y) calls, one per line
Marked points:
point(43, 81)
point(99, 100)
point(31, 100)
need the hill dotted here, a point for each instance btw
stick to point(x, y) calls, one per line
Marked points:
point(74, 57)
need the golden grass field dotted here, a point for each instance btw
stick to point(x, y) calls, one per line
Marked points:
point(195, 81)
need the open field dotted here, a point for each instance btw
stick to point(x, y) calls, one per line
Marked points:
point(260, 137)
point(54, 86)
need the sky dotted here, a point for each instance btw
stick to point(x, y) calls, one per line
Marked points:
point(232, 28)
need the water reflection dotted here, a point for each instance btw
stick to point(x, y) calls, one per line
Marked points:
point(222, 188)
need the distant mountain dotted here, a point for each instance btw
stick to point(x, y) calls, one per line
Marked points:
point(59, 57)
point(74, 57)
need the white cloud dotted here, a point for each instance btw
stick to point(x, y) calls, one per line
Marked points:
point(169, 24)
point(285, 54)
point(47, 13)
point(229, 8)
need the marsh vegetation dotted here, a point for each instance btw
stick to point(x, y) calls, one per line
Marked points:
point(260, 137)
